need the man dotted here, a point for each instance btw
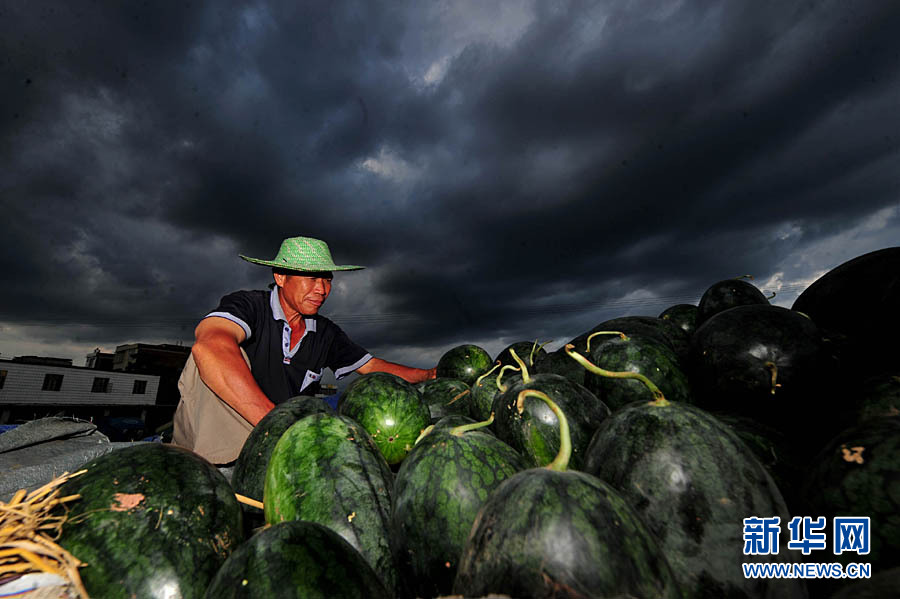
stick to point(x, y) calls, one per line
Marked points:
point(260, 348)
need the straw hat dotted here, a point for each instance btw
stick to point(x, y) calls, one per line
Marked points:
point(303, 254)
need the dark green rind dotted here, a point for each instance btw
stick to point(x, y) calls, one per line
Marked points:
point(722, 295)
point(390, 409)
point(301, 560)
point(559, 362)
point(684, 316)
point(728, 370)
point(658, 329)
point(327, 469)
point(535, 432)
point(561, 534)
point(454, 420)
point(437, 493)
point(774, 451)
point(184, 524)
point(693, 482)
point(484, 392)
point(249, 476)
point(642, 355)
point(839, 485)
point(878, 397)
point(856, 304)
point(883, 584)
point(464, 362)
point(438, 394)
point(528, 351)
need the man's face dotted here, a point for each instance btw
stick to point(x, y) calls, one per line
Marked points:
point(304, 293)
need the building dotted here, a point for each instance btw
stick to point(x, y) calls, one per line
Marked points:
point(99, 360)
point(33, 388)
point(166, 360)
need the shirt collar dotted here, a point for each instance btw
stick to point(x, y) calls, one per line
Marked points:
point(278, 312)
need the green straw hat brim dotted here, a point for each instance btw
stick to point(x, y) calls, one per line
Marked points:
point(303, 254)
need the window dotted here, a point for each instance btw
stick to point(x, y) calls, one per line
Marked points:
point(140, 387)
point(2, 378)
point(101, 385)
point(52, 382)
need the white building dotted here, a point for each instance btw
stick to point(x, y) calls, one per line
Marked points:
point(37, 384)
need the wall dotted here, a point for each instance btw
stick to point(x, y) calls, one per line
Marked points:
point(23, 385)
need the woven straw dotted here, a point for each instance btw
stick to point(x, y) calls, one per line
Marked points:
point(303, 254)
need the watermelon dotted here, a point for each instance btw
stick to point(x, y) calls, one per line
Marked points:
point(484, 390)
point(528, 351)
point(153, 521)
point(326, 468)
point(856, 304)
point(553, 532)
point(883, 583)
point(437, 493)
point(878, 397)
point(683, 316)
point(454, 420)
point(464, 362)
point(640, 354)
point(559, 362)
point(722, 295)
point(658, 329)
point(765, 362)
point(775, 451)
point(297, 559)
point(446, 396)
point(390, 409)
point(534, 430)
point(857, 473)
point(693, 482)
point(249, 475)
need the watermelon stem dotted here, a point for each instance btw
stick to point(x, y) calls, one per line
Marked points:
point(561, 462)
point(424, 432)
point(249, 501)
point(773, 370)
point(774, 293)
point(525, 377)
point(503, 388)
point(459, 396)
point(458, 431)
point(536, 348)
point(591, 336)
point(657, 394)
point(486, 374)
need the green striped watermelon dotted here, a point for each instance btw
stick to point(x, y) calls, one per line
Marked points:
point(437, 493)
point(326, 468)
point(153, 521)
point(296, 559)
point(390, 409)
point(249, 475)
point(553, 532)
point(693, 482)
point(445, 396)
point(464, 362)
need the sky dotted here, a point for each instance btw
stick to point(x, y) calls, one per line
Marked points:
point(507, 171)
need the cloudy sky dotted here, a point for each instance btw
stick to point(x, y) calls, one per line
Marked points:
point(507, 170)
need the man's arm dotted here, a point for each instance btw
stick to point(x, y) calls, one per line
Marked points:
point(223, 369)
point(407, 373)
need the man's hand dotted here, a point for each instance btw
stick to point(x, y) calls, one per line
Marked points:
point(407, 373)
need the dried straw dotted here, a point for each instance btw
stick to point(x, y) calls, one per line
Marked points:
point(29, 529)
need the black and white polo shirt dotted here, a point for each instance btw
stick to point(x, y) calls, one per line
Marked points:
point(282, 371)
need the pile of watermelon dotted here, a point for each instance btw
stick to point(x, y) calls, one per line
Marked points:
point(621, 464)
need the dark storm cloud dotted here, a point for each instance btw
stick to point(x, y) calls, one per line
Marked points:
point(507, 171)
point(680, 128)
